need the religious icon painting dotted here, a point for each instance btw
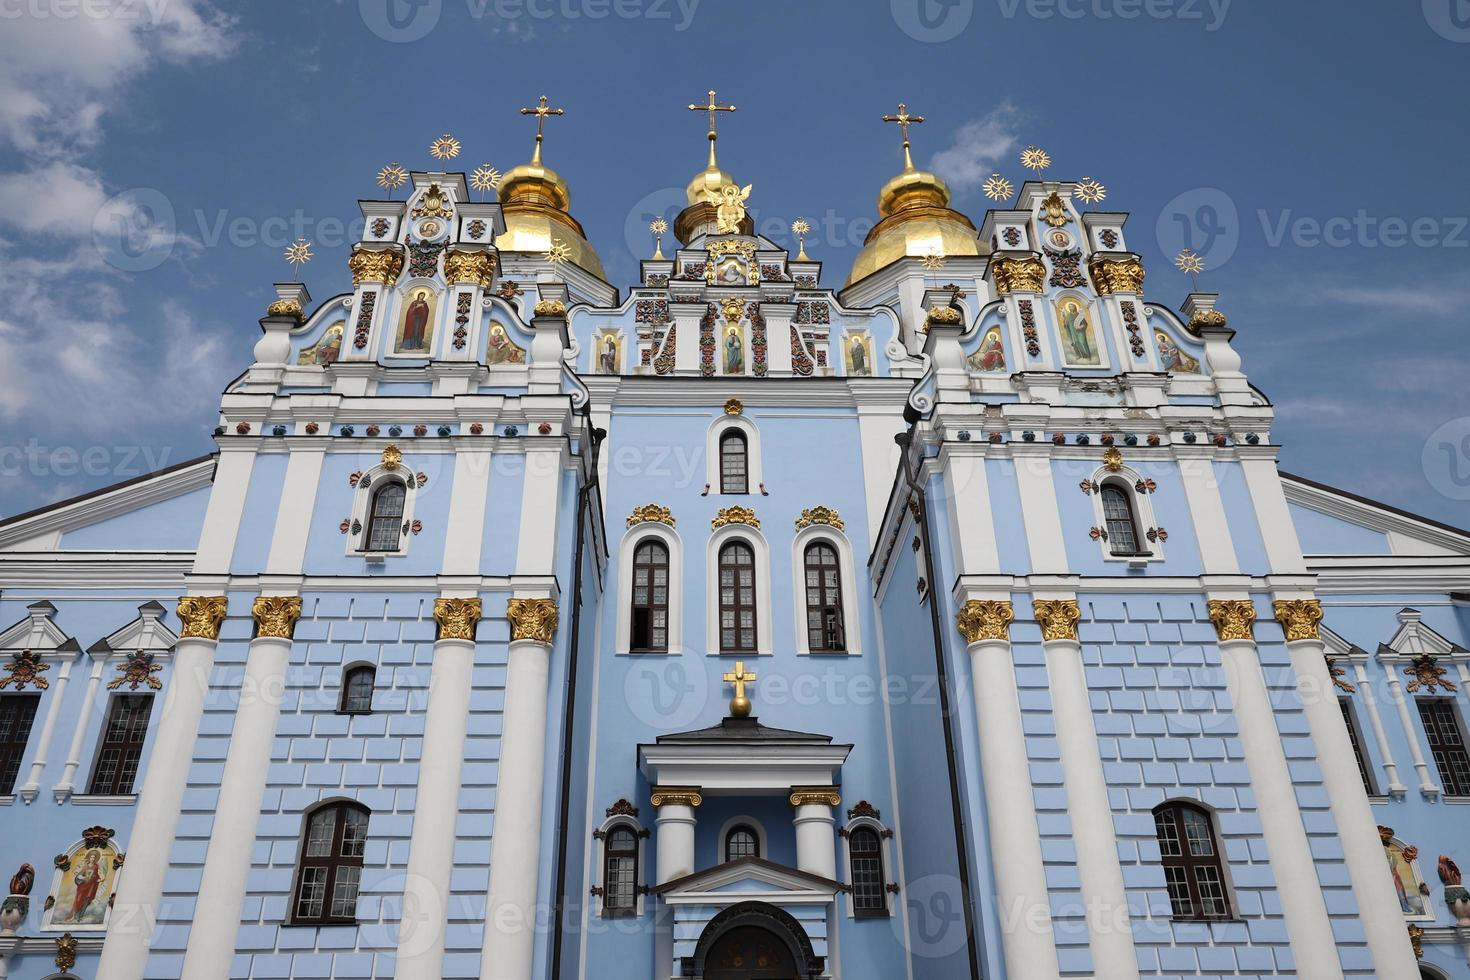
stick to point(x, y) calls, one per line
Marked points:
point(416, 325)
point(991, 355)
point(859, 355)
point(86, 877)
point(326, 350)
point(1172, 357)
point(731, 272)
point(1079, 339)
point(734, 351)
point(608, 353)
point(500, 349)
point(1408, 883)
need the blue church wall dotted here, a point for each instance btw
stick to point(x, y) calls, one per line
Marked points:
point(327, 545)
point(168, 525)
point(262, 502)
point(1240, 512)
point(502, 512)
point(1005, 515)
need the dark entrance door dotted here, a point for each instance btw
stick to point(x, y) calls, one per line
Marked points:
point(749, 953)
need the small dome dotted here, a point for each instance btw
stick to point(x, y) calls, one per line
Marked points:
point(536, 201)
point(915, 219)
point(700, 218)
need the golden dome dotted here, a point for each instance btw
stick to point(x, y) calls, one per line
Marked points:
point(915, 219)
point(535, 201)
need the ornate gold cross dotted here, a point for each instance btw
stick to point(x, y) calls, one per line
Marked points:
point(904, 120)
point(712, 108)
point(541, 110)
point(740, 704)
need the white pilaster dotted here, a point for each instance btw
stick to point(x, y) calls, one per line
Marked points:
point(468, 501)
point(237, 813)
point(1039, 510)
point(1303, 906)
point(293, 518)
point(1396, 786)
point(515, 852)
point(816, 842)
point(675, 842)
point(1207, 510)
point(1427, 786)
point(67, 785)
point(540, 515)
point(226, 503)
point(32, 786)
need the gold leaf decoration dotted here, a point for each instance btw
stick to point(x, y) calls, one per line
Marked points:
point(1299, 618)
point(445, 147)
point(734, 515)
point(819, 515)
point(651, 514)
point(470, 268)
point(997, 188)
point(1019, 275)
point(375, 265)
point(815, 795)
point(985, 619)
point(1233, 618)
point(392, 177)
point(457, 618)
point(675, 796)
point(202, 615)
point(1058, 618)
point(550, 307)
point(734, 407)
point(1035, 158)
point(1116, 276)
point(1090, 191)
point(276, 615)
point(532, 619)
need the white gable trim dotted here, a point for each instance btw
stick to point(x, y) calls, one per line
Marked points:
point(1403, 530)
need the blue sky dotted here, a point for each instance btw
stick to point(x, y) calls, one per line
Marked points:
point(1315, 154)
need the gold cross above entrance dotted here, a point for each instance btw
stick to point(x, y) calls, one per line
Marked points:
point(904, 120)
point(541, 110)
point(740, 704)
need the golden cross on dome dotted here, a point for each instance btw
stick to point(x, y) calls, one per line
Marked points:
point(740, 704)
point(904, 120)
point(541, 110)
point(712, 108)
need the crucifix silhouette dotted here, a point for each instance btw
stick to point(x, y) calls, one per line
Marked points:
point(712, 108)
point(740, 704)
point(904, 120)
point(541, 110)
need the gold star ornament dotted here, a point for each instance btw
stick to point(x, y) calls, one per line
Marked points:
point(1035, 158)
point(392, 177)
point(997, 188)
point(559, 251)
point(1189, 262)
point(445, 147)
point(933, 260)
point(485, 178)
point(299, 252)
point(1090, 191)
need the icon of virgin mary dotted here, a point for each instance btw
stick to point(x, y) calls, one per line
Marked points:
point(416, 322)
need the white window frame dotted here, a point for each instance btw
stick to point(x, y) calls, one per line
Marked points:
point(599, 866)
point(742, 821)
point(885, 844)
point(754, 478)
point(852, 633)
point(764, 644)
point(635, 536)
point(1143, 514)
point(362, 498)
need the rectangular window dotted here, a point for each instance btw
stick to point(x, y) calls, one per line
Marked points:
point(122, 745)
point(17, 712)
point(1447, 743)
point(1356, 739)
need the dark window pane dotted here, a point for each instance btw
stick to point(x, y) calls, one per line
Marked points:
point(869, 890)
point(823, 599)
point(741, 842)
point(385, 517)
point(121, 750)
point(17, 713)
point(1357, 743)
point(1190, 855)
point(620, 871)
point(650, 598)
point(329, 871)
point(737, 598)
point(1447, 743)
point(1118, 512)
point(733, 477)
point(357, 690)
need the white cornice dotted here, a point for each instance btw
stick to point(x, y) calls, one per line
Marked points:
point(1374, 517)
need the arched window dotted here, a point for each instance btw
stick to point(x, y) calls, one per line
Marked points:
point(865, 856)
point(742, 842)
point(357, 690)
point(1191, 858)
point(330, 867)
point(737, 598)
point(385, 517)
point(620, 871)
point(734, 471)
point(650, 620)
point(823, 598)
point(1123, 536)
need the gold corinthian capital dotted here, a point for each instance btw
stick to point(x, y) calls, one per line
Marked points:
point(1058, 618)
point(457, 618)
point(985, 619)
point(202, 615)
point(276, 615)
point(1233, 618)
point(531, 619)
point(1299, 618)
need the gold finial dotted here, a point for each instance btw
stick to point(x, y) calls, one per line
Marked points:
point(801, 228)
point(1090, 191)
point(740, 704)
point(298, 253)
point(712, 108)
point(997, 188)
point(658, 226)
point(904, 120)
point(392, 177)
point(541, 110)
point(445, 147)
point(485, 178)
point(1035, 158)
point(1191, 263)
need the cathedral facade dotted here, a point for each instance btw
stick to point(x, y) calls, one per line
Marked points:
point(953, 622)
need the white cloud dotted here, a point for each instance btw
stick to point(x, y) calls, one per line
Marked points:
point(1398, 299)
point(53, 198)
point(978, 148)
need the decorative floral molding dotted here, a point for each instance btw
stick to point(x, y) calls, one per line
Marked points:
point(457, 618)
point(532, 619)
point(1058, 618)
point(985, 619)
point(139, 669)
point(675, 796)
point(25, 668)
point(815, 796)
point(276, 615)
point(1233, 618)
point(651, 514)
point(375, 265)
point(1299, 618)
point(734, 515)
point(819, 515)
point(1423, 671)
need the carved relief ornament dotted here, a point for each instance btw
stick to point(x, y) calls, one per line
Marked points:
point(472, 268)
point(1058, 618)
point(1233, 618)
point(985, 619)
point(1018, 275)
point(532, 619)
point(457, 618)
point(375, 265)
point(1117, 276)
point(202, 615)
point(1299, 618)
point(276, 615)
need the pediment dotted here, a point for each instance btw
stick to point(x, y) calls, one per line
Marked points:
point(749, 879)
point(38, 631)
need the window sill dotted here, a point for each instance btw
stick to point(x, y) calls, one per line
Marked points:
point(619, 914)
point(1455, 800)
point(289, 924)
point(7, 799)
point(352, 711)
point(104, 799)
point(1201, 920)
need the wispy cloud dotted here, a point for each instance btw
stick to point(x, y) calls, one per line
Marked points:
point(978, 147)
point(1428, 298)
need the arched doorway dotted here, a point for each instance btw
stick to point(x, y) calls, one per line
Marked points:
point(749, 953)
point(753, 941)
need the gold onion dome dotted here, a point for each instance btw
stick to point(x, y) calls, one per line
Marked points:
point(914, 219)
point(707, 187)
point(536, 202)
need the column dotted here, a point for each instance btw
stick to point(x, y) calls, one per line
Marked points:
point(237, 814)
point(1378, 907)
point(674, 845)
point(816, 839)
point(136, 905)
point(1302, 904)
point(1015, 845)
point(32, 785)
point(1370, 704)
point(515, 850)
point(67, 785)
point(431, 843)
point(1110, 932)
point(1427, 786)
